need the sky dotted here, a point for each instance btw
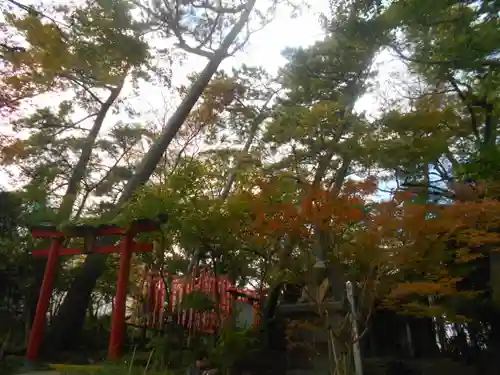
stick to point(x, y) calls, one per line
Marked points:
point(266, 46)
point(264, 49)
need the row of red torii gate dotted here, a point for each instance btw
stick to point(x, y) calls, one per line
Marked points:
point(219, 289)
point(154, 304)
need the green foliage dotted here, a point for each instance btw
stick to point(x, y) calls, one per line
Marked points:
point(253, 145)
point(231, 346)
point(197, 301)
point(81, 52)
point(322, 83)
point(59, 54)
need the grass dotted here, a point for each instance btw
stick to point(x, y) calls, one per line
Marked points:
point(138, 363)
point(105, 369)
point(85, 369)
point(109, 368)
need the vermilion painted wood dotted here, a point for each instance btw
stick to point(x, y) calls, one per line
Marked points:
point(118, 319)
point(111, 231)
point(137, 248)
point(144, 226)
point(218, 288)
point(36, 333)
point(126, 249)
point(45, 233)
point(139, 226)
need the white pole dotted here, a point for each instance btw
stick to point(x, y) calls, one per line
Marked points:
point(356, 352)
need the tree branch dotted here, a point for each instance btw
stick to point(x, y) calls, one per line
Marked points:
point(467, 104)
point(457, 63)
point(220, 9)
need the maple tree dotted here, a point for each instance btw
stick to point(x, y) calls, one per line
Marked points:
point(264, 176)
point(77, 296)
point(445, 134)
point(58, 58)
point(397, 253)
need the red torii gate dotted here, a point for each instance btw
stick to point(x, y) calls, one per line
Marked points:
point(126, 248)
point(217, 288)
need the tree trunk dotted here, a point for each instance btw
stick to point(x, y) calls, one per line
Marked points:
point(246, 148)
point(424, 337)
point(69, 322)
point(69, 197)
point(232, 174)
point(494, 263)
point(335, 277)
point(155, 153)
point(81, 166)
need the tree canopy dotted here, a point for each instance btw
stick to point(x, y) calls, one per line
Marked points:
point(269, 178)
